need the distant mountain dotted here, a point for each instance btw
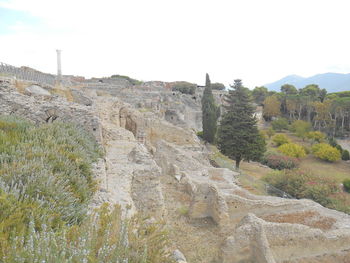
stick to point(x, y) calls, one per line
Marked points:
point(332, 82)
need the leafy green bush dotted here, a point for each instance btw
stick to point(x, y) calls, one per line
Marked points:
point(280, 162)
point(306, 149)
point(50, 165)
point(46, 184)
point(184, 87)
point(303, 184)
point(346, 184)
point(280, 124)
point(300, 128)
point(316, 136)
point(272, 151)
point(200, 134)
point(292, 150)
point(45, 175)
point(131, 80)
point(217, 86)
point(326, 152)
point(270, 132)
point(339, 148)
point(345, 155)
point(280, 139)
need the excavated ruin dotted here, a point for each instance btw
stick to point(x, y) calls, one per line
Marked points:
point(154, 166)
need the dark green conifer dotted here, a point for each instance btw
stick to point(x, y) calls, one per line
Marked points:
point(210, 112)
point(238, 136)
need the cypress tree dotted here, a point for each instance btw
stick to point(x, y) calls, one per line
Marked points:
point(210, 112)
point(207, 80)
point(238, 136)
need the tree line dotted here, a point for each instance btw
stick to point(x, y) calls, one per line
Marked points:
point(329, 113)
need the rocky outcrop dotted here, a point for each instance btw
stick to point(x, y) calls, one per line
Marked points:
point(80, 98)
point(146, 189)
point(155, 167)
point(132, 176)
point(46, 108)
point(36, 90)
point(179, 257)
point(251, 226)
point(255, 240)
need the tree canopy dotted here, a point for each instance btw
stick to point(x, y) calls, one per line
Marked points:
point(259, 94)
point(329, 113)
point(238, 135)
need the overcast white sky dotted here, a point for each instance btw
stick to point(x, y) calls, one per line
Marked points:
point(259, 41)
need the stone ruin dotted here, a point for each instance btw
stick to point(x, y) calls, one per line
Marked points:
point(154, 167)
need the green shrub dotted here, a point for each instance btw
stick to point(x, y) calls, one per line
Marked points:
point(102, 237)
point(280, 162)
point(306, 149)
point(303, 184)
point(339, 148)
point(50, 165)
point(200, 134)
point(46, 168)
point(326, 152)
point(292, 150)
point(316, 136)
point(340, 201)
point(280, 124)
point(46, 185)
point(131, 80)
point(346, 184)
point(345, 155)
point(270, 132)
point(280, 139)
point(217, 86)
point(300, 128)
point(184, 87)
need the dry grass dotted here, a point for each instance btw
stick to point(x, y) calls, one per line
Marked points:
point(255, 169)
point(308, 218)
point(252, 169)
point(20, 86)
point(218, 178)
point(198, 239)
point(339, 170)
point(64, 92)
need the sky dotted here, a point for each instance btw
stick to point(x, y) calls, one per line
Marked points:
point(258, 41)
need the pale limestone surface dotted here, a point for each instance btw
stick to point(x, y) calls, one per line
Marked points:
point(46, 109)
point(142, 148)
point(37, 91)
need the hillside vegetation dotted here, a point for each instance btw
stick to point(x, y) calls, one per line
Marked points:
point(46, 185)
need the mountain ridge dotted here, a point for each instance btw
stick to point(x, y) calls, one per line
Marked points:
point(332, 82)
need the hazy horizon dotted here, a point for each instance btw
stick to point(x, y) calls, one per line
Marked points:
point(257, 41)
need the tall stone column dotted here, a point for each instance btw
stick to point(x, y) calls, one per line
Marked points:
point(59, 70)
